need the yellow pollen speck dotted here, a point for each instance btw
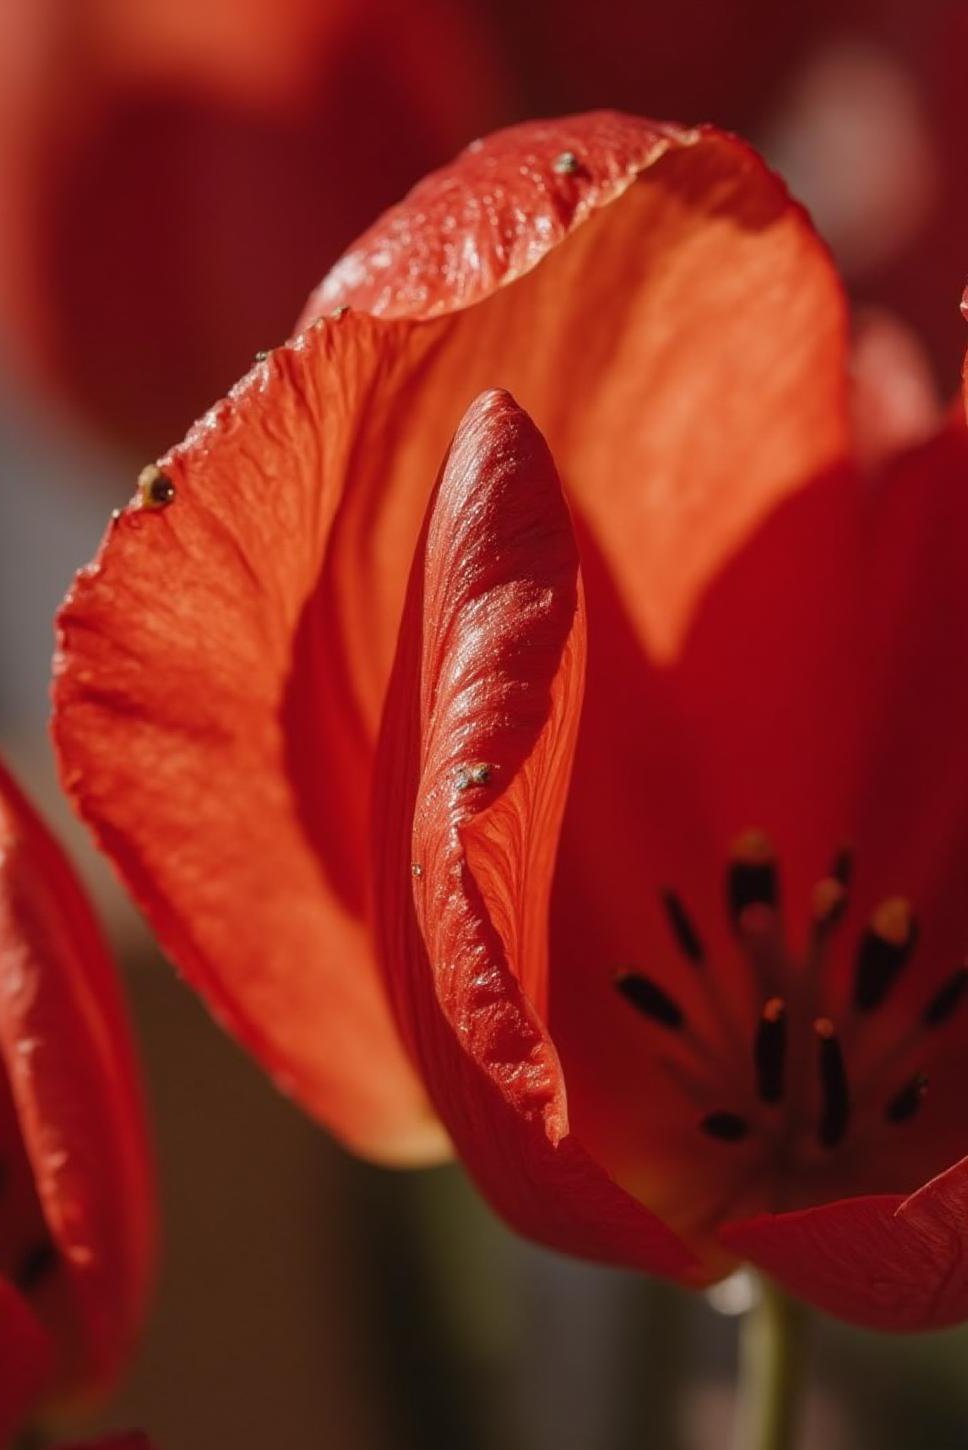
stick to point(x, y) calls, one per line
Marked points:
point(753, 848)
point(416, 869)
point(892, 921)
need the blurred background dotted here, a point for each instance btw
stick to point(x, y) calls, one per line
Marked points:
point(175, 176)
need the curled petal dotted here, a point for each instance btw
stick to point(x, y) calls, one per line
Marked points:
point(884, 1261)
point(68, 1057)
point(195, 724)
point(657, 301)
point(475, 757)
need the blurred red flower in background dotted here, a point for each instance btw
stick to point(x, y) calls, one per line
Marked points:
point(745, 1039)
point(76, 1195)
point(172, 174)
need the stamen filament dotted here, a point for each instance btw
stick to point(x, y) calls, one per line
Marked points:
point(835, 1096)
point(884, 950)
point(687, 938)
point(769, 1051)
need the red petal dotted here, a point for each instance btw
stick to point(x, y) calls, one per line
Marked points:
point(476, 751)
point(219, 159)
point(25, 1354)
point(684, 352)
point(68, 1054)
point(681, 344)
point(199, 728)
point(887, 1262)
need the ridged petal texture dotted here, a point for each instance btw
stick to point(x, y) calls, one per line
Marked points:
point(655, 300)
point(78, 1194)
point(883, 1261)
point(475, 758)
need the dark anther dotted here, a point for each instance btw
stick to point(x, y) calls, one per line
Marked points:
point(829, 902)
point(36, 1265)
point(687, 938)
point(884, 949)
point(751, 880)
point(946, 999)
point(835, 1109)
point(649, 999)
point(842, 866)
point(155, 489)
point(769, 1050)
point(906, 1103)
point(728, 1127)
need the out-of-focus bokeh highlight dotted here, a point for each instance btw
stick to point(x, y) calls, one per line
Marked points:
point(175, 176)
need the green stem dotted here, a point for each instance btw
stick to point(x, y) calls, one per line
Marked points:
point(772, 1339)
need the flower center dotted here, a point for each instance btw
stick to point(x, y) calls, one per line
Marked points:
point(788, 1083)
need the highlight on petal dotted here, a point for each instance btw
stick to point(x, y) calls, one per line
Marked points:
point(894, 400)
point(195, 719)
point(654, 296)
point(476, 752)
point(884, 1261)
point(79, 1174)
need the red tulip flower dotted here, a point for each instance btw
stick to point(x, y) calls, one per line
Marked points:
point(173, 174)
point(76, 1202)
point(672, 946)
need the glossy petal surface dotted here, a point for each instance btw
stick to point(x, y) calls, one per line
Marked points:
point(68, 1057)
point(475, 757)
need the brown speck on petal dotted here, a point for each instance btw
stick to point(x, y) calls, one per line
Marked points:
point(566, 164)
point(477, 774)
point(155, 489)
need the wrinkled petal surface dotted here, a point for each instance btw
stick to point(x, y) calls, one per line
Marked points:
point(475, 758)
point(67, 1054)
point(193, 660)
point(624, 280)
